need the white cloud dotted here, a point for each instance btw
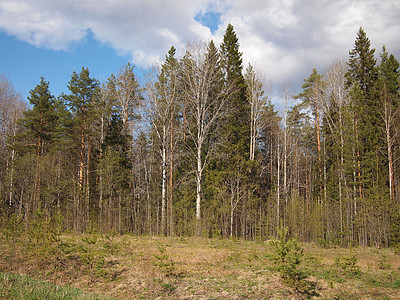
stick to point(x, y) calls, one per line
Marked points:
point(289, 38)
point(286, 39)
point(40, 27)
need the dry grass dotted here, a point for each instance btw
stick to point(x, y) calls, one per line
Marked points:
point(129, 267)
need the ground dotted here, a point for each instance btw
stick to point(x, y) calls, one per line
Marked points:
point(131, 267)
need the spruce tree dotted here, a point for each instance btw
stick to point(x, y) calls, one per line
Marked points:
point(389, 93)
point(237, 124)
point(361, 82)
point(234, 166)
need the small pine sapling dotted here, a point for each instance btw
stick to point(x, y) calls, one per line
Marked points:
point(288, 255)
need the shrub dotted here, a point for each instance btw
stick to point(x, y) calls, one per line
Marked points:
point(288, 255)
point(348, 265)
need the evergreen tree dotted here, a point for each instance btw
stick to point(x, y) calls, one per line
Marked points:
point(237, 124)
point(389, 92)
point(361, 81)
point(235, 151)
point(312, 97)
point(113, 168)
point(40, 123)
point(82, 102)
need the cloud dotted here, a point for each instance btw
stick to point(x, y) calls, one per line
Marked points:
point(143, 29)
point(289, 38)
point(40, 27)
point(286, 39)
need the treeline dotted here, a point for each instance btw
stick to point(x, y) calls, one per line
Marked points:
point(198, 149)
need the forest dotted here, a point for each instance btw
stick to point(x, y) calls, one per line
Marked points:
point(197, 148)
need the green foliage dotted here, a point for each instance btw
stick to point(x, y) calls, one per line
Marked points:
point(390, 76)
point(89, 254)
point(43, 236)
point(348, 265)
point(288, 255)
point(395, 231)
point(42, 120)
point(84, 91)
point(236, 126)
point(79, 154)
point(22, 287)
point(14, 229)
point(383, 263)
point(109, 242)
point(362, 65)
point(163, 262)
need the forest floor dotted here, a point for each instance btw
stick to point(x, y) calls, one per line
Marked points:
point(130, 267)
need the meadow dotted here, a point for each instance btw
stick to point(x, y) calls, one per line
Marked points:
point(83, 266)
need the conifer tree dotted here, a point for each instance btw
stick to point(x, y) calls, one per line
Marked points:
point(389, 93)
point(361, 81)
point(169, 80)
point(235, 128)
point(82, 103)
point(312, 96)
point(40, 123)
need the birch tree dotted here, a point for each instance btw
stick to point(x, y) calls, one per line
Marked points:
point(127, 95)
point(206, 97)
point(161, 92)
point(334, 106)
point(258, 97)
point(11, 110)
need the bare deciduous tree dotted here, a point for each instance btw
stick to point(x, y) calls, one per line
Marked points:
point(206, 98)
point(258, 97)
point(11, 109)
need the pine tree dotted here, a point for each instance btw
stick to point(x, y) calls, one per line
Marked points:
point(40, 123)
point(82, 103)
point(169, 80)
point(312, 96)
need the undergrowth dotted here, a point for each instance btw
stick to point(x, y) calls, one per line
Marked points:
point(22, 287)
point(149, 267)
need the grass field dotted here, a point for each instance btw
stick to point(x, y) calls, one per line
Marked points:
point(130, 267)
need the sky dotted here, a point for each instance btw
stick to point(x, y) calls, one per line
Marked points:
point(283, 39)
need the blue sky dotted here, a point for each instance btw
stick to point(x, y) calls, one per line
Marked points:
point(24, 64)
point(284, 39)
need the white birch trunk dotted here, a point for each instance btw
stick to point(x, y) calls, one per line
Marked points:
point(164, 181)
point(198, 183)
point(278, 188)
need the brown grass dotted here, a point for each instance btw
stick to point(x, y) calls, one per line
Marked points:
point(127, 267)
